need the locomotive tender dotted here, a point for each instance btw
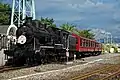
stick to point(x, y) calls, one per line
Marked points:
point(38, 43)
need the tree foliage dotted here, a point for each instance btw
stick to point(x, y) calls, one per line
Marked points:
point(85, 33)
point(4, 13)
point(72, 28)
point(48, 21)
point(68, 27)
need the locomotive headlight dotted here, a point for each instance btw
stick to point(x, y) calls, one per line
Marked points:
point(21, 39)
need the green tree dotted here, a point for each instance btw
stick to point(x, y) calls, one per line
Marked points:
point(4, 13)
point(68, 27)
point(72, 28)
point(48, 21)
point(85, 33)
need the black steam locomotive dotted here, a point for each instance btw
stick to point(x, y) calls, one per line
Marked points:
point(37, 44)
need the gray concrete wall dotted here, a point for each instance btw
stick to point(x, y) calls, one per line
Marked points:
point(2, 58)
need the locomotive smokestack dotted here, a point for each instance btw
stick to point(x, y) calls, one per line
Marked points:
point(29, 19)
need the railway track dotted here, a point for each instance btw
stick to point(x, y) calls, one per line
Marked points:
point(106, 73)
point(10, 68)
point(113, 76)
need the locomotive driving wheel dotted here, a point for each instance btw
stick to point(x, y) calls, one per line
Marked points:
point(18, 61)
point(40, 57)
point(42, 61)
point(30, 61)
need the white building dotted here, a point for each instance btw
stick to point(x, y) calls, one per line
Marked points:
point(5, 32)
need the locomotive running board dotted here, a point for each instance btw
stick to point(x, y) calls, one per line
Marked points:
point(46, 47)
point(43, 47)
point(58, 44)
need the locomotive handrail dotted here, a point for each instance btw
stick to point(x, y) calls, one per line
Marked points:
point(46, 46)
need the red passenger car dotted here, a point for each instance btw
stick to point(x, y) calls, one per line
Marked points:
point(85, 46)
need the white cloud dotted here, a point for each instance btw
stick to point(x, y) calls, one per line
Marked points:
point(86, 3)
point(89, 3)
point(91, 13)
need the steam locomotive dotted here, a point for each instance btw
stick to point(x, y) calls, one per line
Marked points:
point(38, 44)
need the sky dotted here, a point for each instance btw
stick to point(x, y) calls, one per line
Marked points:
point(86, 14)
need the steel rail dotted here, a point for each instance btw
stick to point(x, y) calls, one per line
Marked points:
point(10, 68)
point(113, 75)
point(87, 75)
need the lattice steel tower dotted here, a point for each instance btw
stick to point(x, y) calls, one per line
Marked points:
point(21, 9)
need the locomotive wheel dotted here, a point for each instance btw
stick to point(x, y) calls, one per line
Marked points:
point(56, 59)
point(93, 54)
point(18, 61)
point(9, 62)
point(42, 60)
point(99, 53)
point(29, 61)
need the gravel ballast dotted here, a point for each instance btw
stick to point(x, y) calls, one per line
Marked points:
point(64, 70)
